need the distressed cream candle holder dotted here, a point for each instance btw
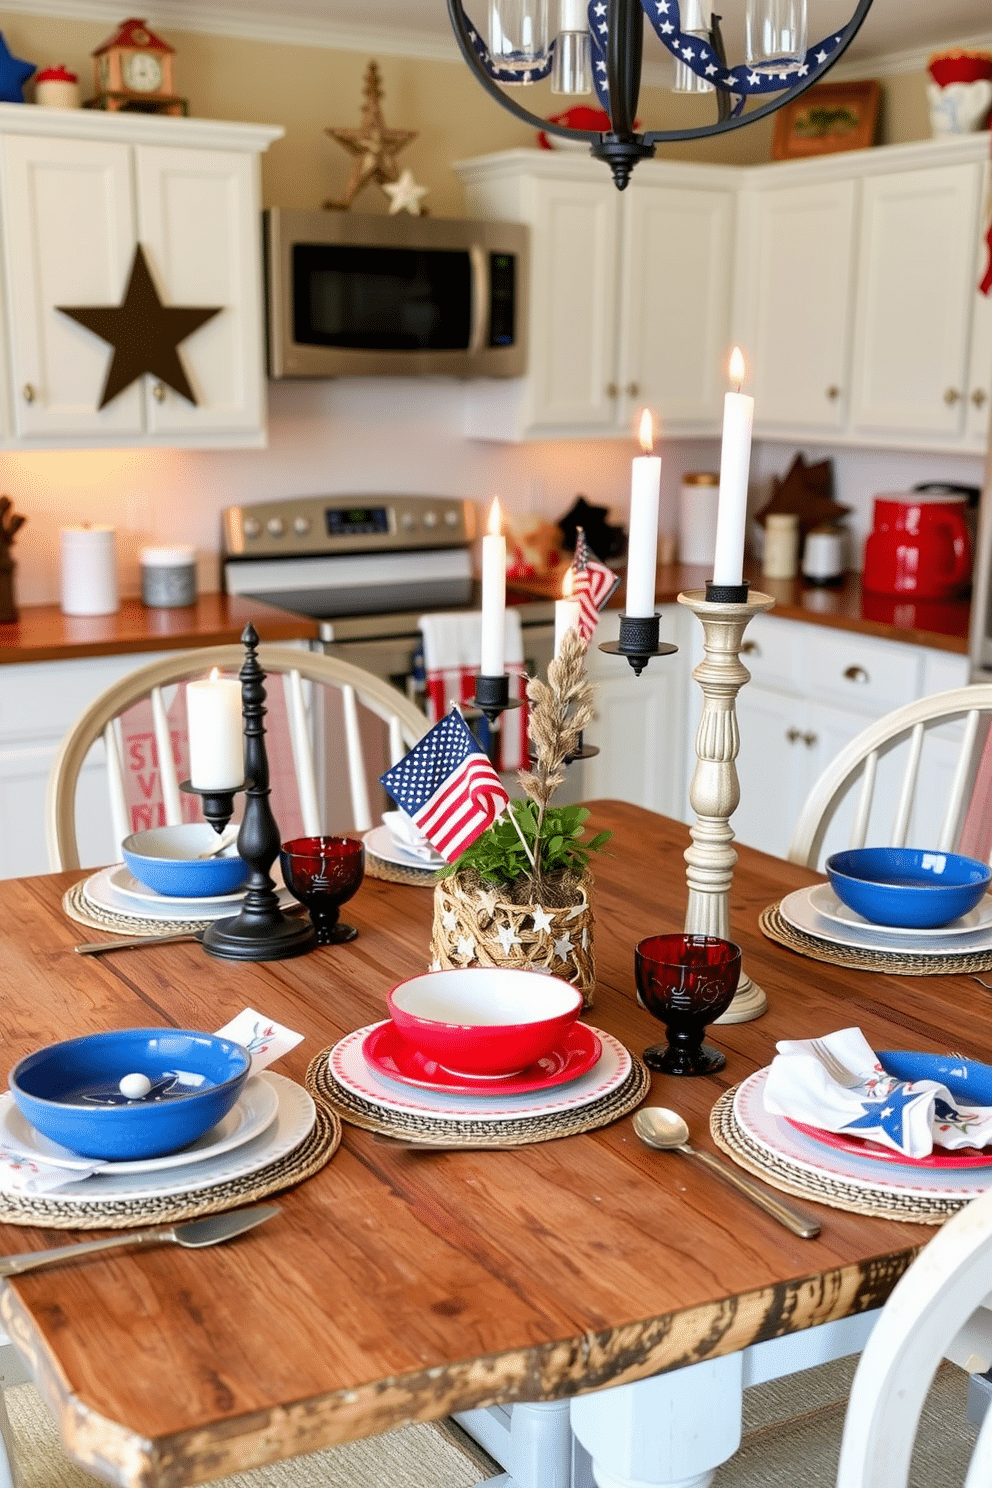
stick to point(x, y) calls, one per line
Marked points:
point(714, 792)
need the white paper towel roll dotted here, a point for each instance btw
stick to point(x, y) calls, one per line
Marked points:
point(89, 571)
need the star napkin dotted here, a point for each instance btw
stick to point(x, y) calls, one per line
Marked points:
point(910, 1117)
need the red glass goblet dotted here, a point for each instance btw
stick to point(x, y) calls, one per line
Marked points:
point(322, 873)
point(686, 981)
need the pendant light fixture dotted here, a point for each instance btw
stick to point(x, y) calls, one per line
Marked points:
point(598, 46)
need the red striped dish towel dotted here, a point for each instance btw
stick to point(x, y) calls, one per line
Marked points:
point(452, 657)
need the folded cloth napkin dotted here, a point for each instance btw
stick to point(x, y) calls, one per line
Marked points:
point(452, 658)
point(407, 835)
point(908, 1117)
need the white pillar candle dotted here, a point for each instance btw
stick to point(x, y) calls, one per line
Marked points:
point(573, 15)
point(642, 542)
point(493, 596)
point(216, 739)
point(567, 612)
point(735, 465)
point(89, 571)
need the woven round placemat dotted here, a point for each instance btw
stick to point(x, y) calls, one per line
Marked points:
point(482, 1133)
point(59, 1212)
point(836, 1190)
point(895, 963)
point(396, 873)
point(82, 909)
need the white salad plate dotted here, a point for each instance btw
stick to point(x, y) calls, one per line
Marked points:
point(294, 1118)
point(349, 1067)
point(798, 911)
point(102, 890)
point(824, 901)
point(254, 1110)
point(380, 840)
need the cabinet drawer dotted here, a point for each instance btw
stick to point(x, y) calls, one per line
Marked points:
point(771, 652)
point(860, 672)
point(41, 700)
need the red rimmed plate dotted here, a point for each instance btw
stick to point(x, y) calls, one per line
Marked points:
point(387, 1052)
point(942, 1157)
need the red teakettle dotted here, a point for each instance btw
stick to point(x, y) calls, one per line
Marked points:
point(919, 546)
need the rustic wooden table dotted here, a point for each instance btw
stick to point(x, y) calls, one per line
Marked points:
point(399, 1287)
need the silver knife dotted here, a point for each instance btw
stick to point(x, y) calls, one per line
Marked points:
point(97, 947)
point(195, 1234)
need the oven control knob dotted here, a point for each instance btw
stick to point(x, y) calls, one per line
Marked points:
point(451, 518)
point(430, 518)
point(408, 521)
point(251, 527)
point(301, 526)
point(275, 526)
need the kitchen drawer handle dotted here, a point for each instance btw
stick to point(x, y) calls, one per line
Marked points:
point(632, 389)
point(158, 392)
point(979, 397)
point(28, 393)
point(750, 648)
point(856, 674)
point(611, 389)
point(951, 397)
point(833, 392)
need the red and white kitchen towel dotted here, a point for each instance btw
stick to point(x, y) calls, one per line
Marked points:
point(452, 657)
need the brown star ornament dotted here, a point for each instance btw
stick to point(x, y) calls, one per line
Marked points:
point(375, 146)
point(144, 333)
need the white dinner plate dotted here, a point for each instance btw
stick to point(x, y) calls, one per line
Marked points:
point(348, 1066)
point(380, 840)
point(254, 1110)
point(101, 890)
point(797, 910)
point(779, 1137)
point(825, 902)
point(294, 1118)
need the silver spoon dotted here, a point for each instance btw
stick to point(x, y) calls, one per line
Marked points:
point(664, 1129)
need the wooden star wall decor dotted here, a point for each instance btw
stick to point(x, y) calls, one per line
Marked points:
point(375, 146)
point(144, 333)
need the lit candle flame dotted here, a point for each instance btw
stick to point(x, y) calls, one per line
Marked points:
point(737, 368)
point(566, 584)
point(214, 674)
point(646, 434)
point(495, 517)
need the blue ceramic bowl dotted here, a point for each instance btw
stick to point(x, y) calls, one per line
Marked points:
point(907, 886)
point(167, 859)
point(70, 1091)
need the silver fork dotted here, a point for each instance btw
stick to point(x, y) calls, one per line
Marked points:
point(833, 1066)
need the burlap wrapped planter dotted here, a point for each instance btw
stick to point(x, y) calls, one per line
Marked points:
point(475, 926)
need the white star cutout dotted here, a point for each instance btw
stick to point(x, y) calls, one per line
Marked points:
point(821, 56)
point(542, 920)
point(404, 195)
point(599, 10)
point(465, 947)
point(667, 27)
point(710, 69)
point(602, 28)
point(663, 6)
point(754, 78)
point(563, 947)
point(600, 66)
point(507, 938)
point(449, 920)
point(802, 71)
point(688, 53)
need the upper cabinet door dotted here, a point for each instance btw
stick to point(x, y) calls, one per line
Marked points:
point(979, 388)
point(675, 303)
point(69, 236)
point(198, 219)
point(793, 302)
point(915, 300)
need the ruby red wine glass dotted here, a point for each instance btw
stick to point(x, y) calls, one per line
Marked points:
point(686, 981)
point(322, 873)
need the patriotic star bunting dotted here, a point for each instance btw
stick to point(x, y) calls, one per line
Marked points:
point(447, 785)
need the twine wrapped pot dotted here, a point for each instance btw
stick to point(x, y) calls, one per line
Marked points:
point(475, 926)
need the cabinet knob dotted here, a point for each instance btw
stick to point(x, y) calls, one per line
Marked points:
point(611, 389)
point(28, 393)
point(793, 735)
point(856, 674)
point(979, 397)
point(833, 392)
point(632, 389)
point(158, 392)
point(750, 648)
point(951, 397)
point(809, 740)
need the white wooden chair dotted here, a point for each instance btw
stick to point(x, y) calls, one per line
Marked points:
point(932, 1301)
point(910, 774)
point(298, 669)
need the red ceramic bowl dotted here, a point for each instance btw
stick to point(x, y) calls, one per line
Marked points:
point(484, 1020)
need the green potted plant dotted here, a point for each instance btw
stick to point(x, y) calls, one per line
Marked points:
point(519, 896)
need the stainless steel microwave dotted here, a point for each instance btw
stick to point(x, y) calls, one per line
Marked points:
point(357, 296)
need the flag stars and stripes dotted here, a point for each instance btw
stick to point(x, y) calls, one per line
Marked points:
point(448, 787)
point(592, 585)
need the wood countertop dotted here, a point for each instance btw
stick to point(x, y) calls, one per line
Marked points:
point(43, 633)
point(942, 624)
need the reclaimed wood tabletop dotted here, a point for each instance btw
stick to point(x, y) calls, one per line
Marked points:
point(396, 1286)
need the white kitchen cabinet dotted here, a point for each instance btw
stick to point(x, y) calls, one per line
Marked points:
point(979, 383)
point(79, 190)
point(630, 295)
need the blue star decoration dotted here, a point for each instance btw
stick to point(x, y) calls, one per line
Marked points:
point(13, 75)
point(886, 1114)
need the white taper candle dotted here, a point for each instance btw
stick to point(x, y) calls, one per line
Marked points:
point(493, 596)
point(642, 542)
point(735, 466)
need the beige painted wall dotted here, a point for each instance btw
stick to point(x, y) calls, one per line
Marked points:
point(307, 89)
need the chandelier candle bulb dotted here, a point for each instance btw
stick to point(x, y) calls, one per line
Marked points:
point(642, 543)
point(567, 612)
point(493, 596)
point(735, 465)
point(216, 741)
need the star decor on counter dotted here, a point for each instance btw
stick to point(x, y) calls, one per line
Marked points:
point(608, 541)
point(13, 75)
point(10, 525)
point(144, 333)
point(807, 492)
point(375, 146)
point(404, 195)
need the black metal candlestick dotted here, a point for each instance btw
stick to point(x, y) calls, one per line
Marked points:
point(261, 932)
point(638, 641)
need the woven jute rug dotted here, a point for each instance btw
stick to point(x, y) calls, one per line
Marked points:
point(895, 963)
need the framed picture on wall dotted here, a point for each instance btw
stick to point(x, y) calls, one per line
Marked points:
point(826, 118)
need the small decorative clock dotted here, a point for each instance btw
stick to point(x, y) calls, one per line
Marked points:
point(133, 73)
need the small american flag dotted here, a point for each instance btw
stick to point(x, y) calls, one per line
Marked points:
point(592, 585)
point(447, 785)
